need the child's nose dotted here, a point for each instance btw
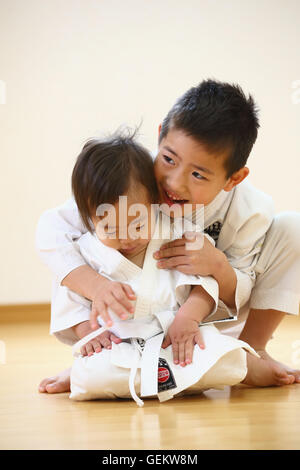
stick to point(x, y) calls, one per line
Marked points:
point(126, 241)
point(176, 182)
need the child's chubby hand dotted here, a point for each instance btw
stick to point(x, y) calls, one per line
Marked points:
point(190, 255)
point(114, 295)
point(183, 334)
point(97, 344)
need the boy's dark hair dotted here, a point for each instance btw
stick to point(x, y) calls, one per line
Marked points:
point(105, 169)
point(218, 115)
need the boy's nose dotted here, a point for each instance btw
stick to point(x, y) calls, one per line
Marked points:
point(177, 184)
point(177, 188)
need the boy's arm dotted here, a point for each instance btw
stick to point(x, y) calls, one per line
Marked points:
point(227, 280)
point(233, 269)
point(236, 268)
point(244, 228)
point(198, 305)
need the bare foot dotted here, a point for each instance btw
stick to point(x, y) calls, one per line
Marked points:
point(296, 373)
point(58, 384)
point(265, 373)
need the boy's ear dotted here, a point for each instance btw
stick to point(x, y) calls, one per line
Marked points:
point(159, 129)
point(236, 178)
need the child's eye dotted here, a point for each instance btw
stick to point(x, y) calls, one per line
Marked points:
point(198, 176)
point(139, 227)
point(109, 232)
point(168, 160)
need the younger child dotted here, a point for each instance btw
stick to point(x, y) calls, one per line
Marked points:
point(165, 306)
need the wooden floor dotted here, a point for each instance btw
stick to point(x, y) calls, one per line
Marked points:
point(237, 418)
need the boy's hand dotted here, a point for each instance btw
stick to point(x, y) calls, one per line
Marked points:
point(204, 261)
point(102, 341)
point(183, 334)
point(113, 295)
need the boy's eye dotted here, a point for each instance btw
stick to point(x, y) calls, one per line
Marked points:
point(168, 160)
point(198, 176)
point(139, 227)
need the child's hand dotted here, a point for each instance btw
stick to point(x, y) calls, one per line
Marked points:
point(183, 334)
point(113, 295)
point(102, 341)
point(176, 255)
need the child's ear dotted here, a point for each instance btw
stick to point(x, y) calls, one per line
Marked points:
point(159, 129)
point(236, 178)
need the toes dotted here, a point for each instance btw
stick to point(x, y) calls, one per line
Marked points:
point(289, 380)
point(282, 378)
point(44, 383)
point(282, 381)
point(51, 388)
point(288, 371)
point(295, 374)
point(292, 379)
point(58, 387)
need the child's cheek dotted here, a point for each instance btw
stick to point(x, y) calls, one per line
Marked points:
point(111, 243)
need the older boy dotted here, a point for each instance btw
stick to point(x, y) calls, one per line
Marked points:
point(204, 144)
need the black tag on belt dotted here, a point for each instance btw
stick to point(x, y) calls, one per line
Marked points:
point(141, 343)
point(166, 379)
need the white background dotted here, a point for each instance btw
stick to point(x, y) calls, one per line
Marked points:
point(73, 69)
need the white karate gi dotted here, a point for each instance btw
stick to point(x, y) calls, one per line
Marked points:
point(263, 249)
point(131, 364)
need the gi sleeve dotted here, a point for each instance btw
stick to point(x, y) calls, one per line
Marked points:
point(243, 255)
point(67, 310)
point(56, 231)
point(183, 283)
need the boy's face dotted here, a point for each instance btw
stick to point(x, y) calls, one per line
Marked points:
point(185, 170)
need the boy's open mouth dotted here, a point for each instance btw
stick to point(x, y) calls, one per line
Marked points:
point(170, 198)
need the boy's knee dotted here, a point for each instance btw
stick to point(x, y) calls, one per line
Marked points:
point(287, 227)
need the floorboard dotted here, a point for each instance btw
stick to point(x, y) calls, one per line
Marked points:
point(235, 418)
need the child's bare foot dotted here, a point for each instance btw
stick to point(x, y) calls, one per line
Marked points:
point(58, 384)
point(296, 373)
point(263, 373)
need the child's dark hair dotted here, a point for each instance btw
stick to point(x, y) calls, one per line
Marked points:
point(106, 168)
point(220, 116)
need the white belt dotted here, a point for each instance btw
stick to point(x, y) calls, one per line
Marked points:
point(133, 371)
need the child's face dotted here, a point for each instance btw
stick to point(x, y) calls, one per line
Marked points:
point(185, 170)
point(126, 227)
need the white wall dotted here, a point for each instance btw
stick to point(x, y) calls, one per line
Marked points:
point(75, 68)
